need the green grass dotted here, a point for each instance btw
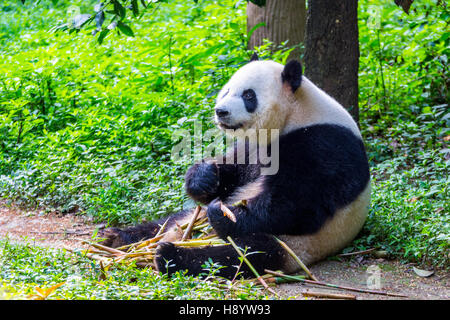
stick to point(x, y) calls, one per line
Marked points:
point(25, 267)
point(87, 128)
point(405, 120)
point(95, 122)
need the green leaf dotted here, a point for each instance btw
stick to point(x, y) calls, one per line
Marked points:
point(119, 9)
point(259, 25)
point(135, 7)
point(125, 29)
point(102, 36)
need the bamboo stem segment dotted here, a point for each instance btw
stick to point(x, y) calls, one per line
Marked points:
point(187, 232)
point(302, 265)
point(227, 212)
point(328, 295)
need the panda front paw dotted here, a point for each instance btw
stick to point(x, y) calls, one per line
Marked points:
point(222, 224)
point(202, 182)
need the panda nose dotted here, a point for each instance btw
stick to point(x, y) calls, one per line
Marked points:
point(222, 113)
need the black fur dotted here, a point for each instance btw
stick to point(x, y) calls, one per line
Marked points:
point(250, 100)
point(202, 182)
point(321, 168)
point(292, 74)
point(260, 249)
point(254, 57)
point(207, 181)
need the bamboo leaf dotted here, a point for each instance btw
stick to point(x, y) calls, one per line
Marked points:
point(125, 29)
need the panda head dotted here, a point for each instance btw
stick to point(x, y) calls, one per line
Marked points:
point(258, 96)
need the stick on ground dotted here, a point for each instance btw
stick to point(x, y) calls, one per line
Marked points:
point(319, 283)
point(356, 253)
point(328, 295)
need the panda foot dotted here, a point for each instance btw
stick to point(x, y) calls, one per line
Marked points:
point(168, 258)
point(113, 238)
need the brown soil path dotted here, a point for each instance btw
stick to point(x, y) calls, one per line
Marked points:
point(44, 229)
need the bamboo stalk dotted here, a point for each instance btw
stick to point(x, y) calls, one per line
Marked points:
point(196, 243)
point(201, 226)
point(97, 257)
point(384, 293)
point(209, 236)
point(161, 230)
point(187, 232)
point(260, 279)
point(328, 295)
point(104, 248)
point(149, 241)
point(202, 221)
point(290, 278)
point(227, 212)
point(302, 265)
point(280, 280)
point(137, 254)
point(355, 253)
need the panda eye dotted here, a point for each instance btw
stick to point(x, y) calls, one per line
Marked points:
point(249, 94)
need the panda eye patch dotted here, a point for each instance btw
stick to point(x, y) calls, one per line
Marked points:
point(249, 94)
point(250, 101)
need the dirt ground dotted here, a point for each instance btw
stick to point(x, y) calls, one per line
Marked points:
point(360, 271)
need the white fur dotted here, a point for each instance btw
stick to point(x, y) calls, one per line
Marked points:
point(337, 233)
point(248, 192)
point(314, 106)
point(278, 107)
point(259, 76)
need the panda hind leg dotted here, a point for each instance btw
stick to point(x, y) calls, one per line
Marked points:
point(116, 237)
point(262, 250)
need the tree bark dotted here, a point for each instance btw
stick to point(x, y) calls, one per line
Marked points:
point(332, 50)
point(284, 19)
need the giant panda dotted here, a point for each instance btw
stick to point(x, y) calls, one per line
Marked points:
point(316, 202)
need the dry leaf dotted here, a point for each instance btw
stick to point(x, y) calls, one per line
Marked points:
point(43, 294)
point(423, 273)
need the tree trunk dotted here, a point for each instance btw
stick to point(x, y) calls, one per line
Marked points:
point(332, 50)
point(284, 19)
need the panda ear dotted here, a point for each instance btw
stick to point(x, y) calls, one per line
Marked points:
point(254, 57)
point(292, 74)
